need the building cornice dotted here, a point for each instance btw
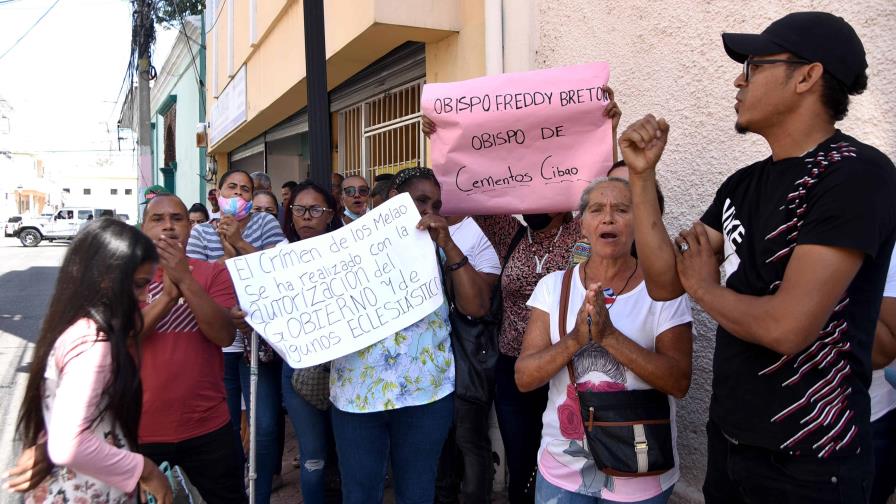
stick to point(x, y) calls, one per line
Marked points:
point(178, 63)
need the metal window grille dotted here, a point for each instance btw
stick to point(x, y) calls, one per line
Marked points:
point(382, 134)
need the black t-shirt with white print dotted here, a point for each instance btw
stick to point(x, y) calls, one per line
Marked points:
point(840, 194)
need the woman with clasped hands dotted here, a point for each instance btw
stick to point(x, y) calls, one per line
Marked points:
point(632, 342)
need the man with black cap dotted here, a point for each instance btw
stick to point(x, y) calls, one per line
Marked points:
point(804, 237)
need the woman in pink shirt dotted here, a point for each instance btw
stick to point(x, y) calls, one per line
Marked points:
point(84, 389)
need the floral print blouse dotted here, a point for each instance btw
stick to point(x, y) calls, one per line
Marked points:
point(414, 366)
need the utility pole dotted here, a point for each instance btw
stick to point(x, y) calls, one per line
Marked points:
point(144, 36)
point(318, 99)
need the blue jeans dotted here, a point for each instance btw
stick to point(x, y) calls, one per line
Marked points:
point(233, 387)
point(546, 493)
point(312, 429)
point(883, 439)
point(267, 405)
point(411, 437)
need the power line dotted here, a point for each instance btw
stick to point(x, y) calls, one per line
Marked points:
point(199, 82)
point(62, 151)
point(28, 30)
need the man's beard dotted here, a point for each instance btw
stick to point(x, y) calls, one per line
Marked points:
point(740, 128)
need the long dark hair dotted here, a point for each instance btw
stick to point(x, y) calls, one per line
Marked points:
point(308, 185)
point(96, 282)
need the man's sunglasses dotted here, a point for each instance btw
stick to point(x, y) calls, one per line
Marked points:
point(360, 191)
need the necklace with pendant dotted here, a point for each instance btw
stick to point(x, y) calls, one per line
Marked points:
point(539, 263)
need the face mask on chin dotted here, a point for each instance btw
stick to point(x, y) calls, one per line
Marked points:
point(352, 215)
point(537, 222)
point(235, 206)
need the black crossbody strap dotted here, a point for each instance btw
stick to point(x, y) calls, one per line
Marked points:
point(517, 238)
point(514, 242)
point(496, 291)
point(561, 320)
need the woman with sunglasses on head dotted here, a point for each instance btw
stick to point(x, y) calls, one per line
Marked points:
point(394, 399)
point(618, 339)
point(84, 388)
point(355, 198)
point(241, 231)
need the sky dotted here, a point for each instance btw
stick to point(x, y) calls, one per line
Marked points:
point(64, 79)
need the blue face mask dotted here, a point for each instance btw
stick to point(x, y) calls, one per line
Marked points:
point(351, 214)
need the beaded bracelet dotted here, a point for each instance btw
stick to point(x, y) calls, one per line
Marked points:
point(459, 264)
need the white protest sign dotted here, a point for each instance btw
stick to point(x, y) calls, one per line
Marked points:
point(321, 298)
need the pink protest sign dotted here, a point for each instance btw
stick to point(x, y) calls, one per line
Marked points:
point(525, 142)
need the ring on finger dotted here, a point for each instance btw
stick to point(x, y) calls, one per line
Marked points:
point(683, 247)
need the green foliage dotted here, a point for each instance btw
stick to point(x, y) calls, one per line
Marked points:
point(168, 12)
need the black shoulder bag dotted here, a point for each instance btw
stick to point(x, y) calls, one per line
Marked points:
point(629, 432)
point(474, 341)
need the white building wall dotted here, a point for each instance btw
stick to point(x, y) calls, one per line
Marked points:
point(667, 58)
point(101, 174)
point(101, 193)
point(178, 77)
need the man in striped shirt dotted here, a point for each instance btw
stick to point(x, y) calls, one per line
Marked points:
point(185, 420)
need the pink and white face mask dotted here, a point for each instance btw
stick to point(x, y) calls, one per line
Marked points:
point(235, 206)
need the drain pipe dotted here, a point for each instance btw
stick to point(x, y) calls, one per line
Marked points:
point(494, 37)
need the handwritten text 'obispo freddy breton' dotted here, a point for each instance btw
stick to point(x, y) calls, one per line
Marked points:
point(548, 170)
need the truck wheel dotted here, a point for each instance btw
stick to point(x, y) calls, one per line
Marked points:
point(29, 238)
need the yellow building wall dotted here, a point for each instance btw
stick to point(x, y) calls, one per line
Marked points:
point(241, 46)
point(461, 55)
point(358, 32)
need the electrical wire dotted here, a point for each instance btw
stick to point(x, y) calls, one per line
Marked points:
point(57, 151)
point(128, 78)
point(199, 82)
point(42, 16)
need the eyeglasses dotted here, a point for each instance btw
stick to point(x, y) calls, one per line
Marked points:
point(315, 211)
point(751, 62)
point(360, 191)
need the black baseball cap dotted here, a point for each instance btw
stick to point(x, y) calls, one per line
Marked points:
point(814, 36)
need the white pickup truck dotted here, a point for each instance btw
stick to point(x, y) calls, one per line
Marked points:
point(63, 225)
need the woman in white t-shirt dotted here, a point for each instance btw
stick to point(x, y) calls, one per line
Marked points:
point(635, 343)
